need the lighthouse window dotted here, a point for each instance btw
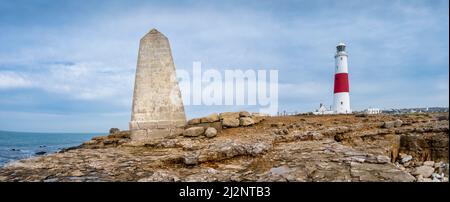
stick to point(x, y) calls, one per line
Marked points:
point(342, 103)
point(340, 57)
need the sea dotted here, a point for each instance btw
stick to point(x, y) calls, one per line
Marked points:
point(20, 145)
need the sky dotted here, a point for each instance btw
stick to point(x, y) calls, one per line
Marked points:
point(68, 66)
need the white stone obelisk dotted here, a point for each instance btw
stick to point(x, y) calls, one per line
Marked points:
point(157, 109)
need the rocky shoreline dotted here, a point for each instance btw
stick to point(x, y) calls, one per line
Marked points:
point(240, 146)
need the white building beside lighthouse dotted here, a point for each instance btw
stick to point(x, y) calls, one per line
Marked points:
point(341, 85)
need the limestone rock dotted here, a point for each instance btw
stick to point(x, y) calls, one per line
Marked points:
point(229, 115)
point(210, 118)
point(391, 124)
point(424, 171)
point(244, 114)
point(194, 121)
point(230, 122)
point(398, 123)
point(216, 125)
point(210, 132)
point(250, 154)
point(429, 163)
point(206, 125)
point(120, 135)
point(404, 158)
point(113, 130)
point(437, 176)
point(246, 121)
point(388, 124)
point(193, 132)
point(383, 159)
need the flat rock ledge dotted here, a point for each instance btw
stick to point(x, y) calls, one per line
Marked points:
point(304, 148)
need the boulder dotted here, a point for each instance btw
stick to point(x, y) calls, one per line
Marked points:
point(436, 176)
point(193, 132)
point(246, 121)
point(216, 125)
point(210, 118)
point(193, 121)
point(120, 134)
point(388, 124)
point(398, 123)
point(244, 114)
point(230, 122)
point(405, 158)
point(211, 132)
point(113, 130)
point(428, 163)
point(230, 115)
point(425, 171)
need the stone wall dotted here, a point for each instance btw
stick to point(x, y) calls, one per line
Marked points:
point(203, 126)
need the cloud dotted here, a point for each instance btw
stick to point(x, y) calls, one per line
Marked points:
point(397, 49)
point(11, 80)
point(86, 81)
point(79, 81)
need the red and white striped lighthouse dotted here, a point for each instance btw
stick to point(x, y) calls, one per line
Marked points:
point(341, 86)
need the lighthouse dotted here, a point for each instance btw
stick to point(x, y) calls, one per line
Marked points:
point(341, 86)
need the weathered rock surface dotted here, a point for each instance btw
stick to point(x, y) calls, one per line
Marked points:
point(193, 131)
point(424, 171)
point(210, 118)
point(244, 114)
point(306, 148)
point(194, 121)
point(211, 132)
point(113, 130)
point(246, 121)
point(231, 115)
point(230, 122)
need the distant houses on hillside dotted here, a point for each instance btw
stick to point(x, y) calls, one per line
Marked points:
point(323, 110)
point(416, 110)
